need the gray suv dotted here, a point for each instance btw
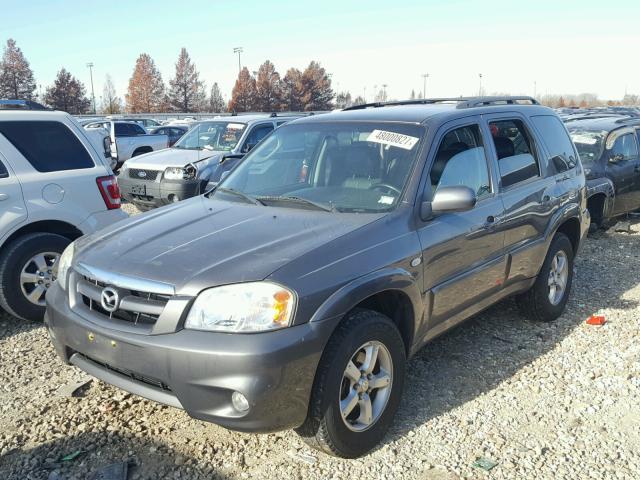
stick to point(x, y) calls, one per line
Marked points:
point(293, 293)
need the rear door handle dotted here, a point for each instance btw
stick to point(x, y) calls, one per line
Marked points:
point(636, 168)
point(3, 196)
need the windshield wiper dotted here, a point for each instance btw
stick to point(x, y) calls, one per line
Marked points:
point(306, 201)
point(248, 198)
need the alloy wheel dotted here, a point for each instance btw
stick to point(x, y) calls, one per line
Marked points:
point(37, 276)
point(366, 386)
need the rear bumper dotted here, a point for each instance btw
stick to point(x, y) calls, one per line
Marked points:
point(157, 193)
point(198, 371)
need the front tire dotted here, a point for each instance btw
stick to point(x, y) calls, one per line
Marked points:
point(358, 386)
point(26, 273)
point(546, 299)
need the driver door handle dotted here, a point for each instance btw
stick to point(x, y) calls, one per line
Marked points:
point(3, 196)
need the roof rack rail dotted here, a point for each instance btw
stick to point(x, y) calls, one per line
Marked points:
point(629, 119)
point(15, 104)
point(462, 102)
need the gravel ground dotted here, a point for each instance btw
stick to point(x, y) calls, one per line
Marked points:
point(541, 401)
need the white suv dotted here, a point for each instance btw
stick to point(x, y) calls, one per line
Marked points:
point(54, 187)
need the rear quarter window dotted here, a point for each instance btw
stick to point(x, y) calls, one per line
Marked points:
point(47, 146)
point(562, 154)
point(4, 173)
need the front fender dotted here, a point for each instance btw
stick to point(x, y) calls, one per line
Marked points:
point(387, 279)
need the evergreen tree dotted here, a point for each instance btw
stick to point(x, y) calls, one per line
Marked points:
point(68, 94)
point(16, 77)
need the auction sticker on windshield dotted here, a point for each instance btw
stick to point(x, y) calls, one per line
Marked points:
point(391, 138)
point(235, 126)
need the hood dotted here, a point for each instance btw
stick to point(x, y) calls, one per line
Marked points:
point(205, 242)
point(169, 157)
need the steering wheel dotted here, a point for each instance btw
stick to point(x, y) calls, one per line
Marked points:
point(378, 186)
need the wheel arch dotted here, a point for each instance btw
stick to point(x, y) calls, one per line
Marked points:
point(393, 292)
point(45, 226)
point(142, 150)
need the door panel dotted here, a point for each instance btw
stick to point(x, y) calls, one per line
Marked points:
point(12, 207)
point(623, 172)
point(463, 252)
point(463, 258)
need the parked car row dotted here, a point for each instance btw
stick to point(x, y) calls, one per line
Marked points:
point(128, 139)
point(293, 292)
point(608, 144)
point(208, 150)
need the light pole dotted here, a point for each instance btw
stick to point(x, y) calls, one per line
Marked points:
point(93, 95)
point(424, 85)
point(238, 50)
point(365, 95)
point(535, 88)
point(384, 92)
point(480, 87)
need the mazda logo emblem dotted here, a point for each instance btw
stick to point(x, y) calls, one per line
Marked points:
point(109, 299)
point(142, 174)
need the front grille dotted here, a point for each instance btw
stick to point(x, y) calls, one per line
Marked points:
point(154, 382)
point(142, 174)
point(136, 307)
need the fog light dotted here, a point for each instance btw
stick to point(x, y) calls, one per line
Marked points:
point(240, 402)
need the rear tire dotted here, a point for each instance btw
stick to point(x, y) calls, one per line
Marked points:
point(374, 398)
point(543, 302)
point(23, 259)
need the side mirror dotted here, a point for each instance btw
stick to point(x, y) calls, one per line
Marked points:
point(618, 157)
point(448, 200)
point(248, 146)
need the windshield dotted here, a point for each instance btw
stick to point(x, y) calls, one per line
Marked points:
point(345, 167)
point(589, 144)
point(219, 136)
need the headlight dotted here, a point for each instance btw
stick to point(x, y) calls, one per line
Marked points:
point(180, 173)
point(242, 307)
point(61, 268)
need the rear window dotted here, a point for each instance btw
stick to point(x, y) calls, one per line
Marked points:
point(47, 146)
point(558, 143)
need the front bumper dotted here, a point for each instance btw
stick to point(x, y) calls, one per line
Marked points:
point(157, 193)
point(198, 371)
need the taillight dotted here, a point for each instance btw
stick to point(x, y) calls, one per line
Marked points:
point(110, 191)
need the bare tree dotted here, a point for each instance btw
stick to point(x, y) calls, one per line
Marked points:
point(146, 91)
point(16, 77)
point(111, 103)
point(343, 100)
point(216, 102)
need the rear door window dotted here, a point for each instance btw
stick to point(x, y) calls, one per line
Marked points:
point(625, 148)
point(47, 146)
point(258, 133)
point(514, 147)
point(562, 155)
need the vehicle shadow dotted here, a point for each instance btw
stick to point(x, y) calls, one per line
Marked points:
point(493, 346)
point(148, 459)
